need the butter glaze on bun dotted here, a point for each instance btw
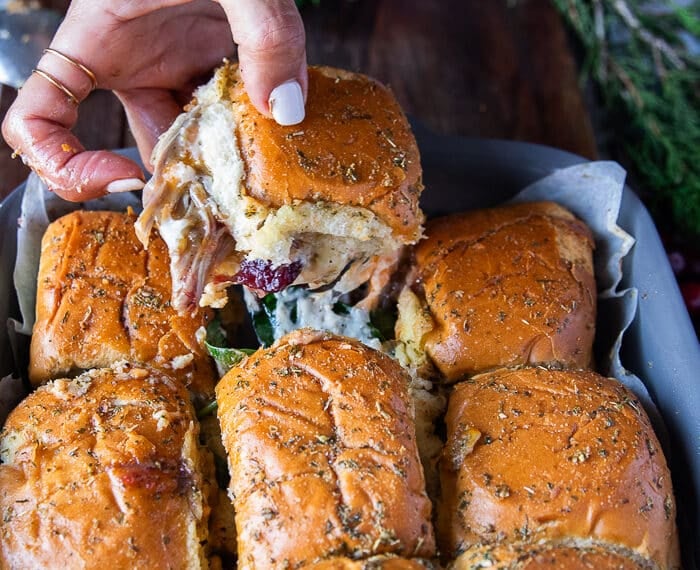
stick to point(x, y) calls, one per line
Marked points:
point(103, 471)
point(501, 287)
point(103, 298)
point(542, 454)
point(269, 205)
point(322, 454)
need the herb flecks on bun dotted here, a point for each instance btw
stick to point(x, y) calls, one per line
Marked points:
point(322, 452)
point(498, 287)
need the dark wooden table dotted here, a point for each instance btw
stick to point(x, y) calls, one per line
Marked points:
point(497, 69)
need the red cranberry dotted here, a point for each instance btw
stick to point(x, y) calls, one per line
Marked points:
point(261, 275)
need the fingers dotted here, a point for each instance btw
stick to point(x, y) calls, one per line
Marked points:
point(272, 54)
point(38, 125)
point(150, 112)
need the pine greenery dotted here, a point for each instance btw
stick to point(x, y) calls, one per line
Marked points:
point(645, 57)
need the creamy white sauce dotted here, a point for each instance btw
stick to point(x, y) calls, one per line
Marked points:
point(315, 310)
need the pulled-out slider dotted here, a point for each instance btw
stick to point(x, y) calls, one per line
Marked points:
point(103, 298)
point(241, 199)
point(537, 455)
point(322, 455)
point(103, 471)
point(501, 287)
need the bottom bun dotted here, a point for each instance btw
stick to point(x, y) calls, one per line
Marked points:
point(551, 556)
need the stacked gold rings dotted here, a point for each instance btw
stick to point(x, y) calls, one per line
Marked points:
point(58, 84)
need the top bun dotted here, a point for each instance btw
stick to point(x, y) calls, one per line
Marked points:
point(535, 454)
point(104, 471)
point(103, 298)
point(354, 147)
point(502, 287)
point(322, 454)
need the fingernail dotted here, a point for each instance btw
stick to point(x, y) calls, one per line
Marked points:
point(287, 103)
point(125, 185)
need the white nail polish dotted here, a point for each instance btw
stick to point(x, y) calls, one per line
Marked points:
point(287, 103)
point(125, 185)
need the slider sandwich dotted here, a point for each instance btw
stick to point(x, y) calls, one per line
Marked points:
point(322, 454)
point(103, 298)
point(241, 199)
point(561, 464)
point(500, 287)
point(104, 471)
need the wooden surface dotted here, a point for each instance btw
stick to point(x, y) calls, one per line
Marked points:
point(496, 68)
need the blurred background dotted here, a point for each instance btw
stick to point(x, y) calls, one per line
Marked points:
point(616, 79)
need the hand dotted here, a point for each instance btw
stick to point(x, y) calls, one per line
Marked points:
point(152, 54)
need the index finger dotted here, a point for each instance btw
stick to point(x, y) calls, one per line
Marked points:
point(37, 126)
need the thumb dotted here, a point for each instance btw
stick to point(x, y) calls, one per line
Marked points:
point(272, 55)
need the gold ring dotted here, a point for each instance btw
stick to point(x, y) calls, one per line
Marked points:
point(75, 63)
point(56, 83)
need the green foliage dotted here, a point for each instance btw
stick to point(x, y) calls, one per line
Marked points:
point(650, 82)
point(227, 358)
point(263, 320)
point(217, 346)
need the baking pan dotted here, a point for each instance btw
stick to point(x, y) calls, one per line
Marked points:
point(660, 347)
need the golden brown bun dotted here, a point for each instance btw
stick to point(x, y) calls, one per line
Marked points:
point(383, 562)
point(354, 147)
point(103, 471)
point(536, 453)
point(322, 454)
point(102, 298)
point(507, 286)
point(551, 556)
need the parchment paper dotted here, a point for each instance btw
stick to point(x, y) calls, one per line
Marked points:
point(593, 192)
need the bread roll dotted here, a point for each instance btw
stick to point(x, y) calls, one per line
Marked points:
point(567, 555)
point(103, 471)
point(506, 286)
point(272, 205)
point(539, 454)
point(322, 454)
point(102, 298)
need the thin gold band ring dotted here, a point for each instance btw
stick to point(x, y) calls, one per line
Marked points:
point(56, 83)
point(76, 64)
